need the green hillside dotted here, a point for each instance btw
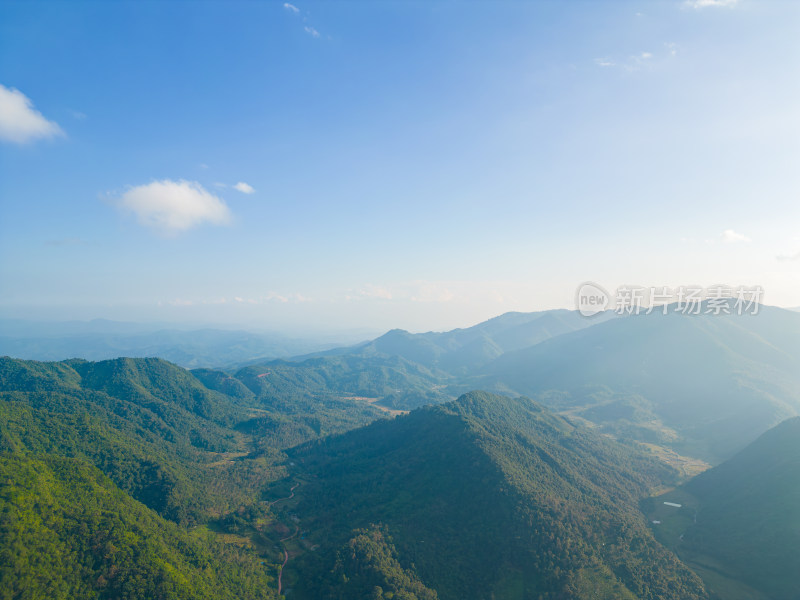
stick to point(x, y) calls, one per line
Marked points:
point(395, 381)
point(143, 422)
point(69, 533)
point(486, 497)
point(747, 527)
point(123, 478)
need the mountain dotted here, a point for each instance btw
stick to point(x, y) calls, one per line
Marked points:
point(69, 532)
point(483, 497)
point(131, 478)
point(739, 525)
point(182, 449)
point(396, 382)
point(147, 424)
point(400, 370)
point(705, 385)
point(102, 340)
point(459, 351)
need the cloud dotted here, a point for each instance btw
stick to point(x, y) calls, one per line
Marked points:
point(283, 298)
point(604, 62)
point(311, 31)
point(729, 236)
point(698, 4)
point(20, 122)
point(788, 257)
point(291, 7)
point(174, 206)
point(375, 291)
point(244, 188)
point(635, 62)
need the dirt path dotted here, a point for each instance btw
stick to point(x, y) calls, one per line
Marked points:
point(289, 497)
point(285, 556)
point(286, 539)
point(280, 573)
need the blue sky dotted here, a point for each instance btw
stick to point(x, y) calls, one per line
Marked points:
point(423, 165)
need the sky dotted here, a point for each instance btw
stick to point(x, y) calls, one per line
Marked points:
point(313, 166)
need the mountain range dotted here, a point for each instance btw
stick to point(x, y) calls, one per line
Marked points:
point(305, 477)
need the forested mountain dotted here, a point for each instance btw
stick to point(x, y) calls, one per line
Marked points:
point(147, 424)
point(396, 381)
point(746, 531)
point(141, 474)
point(460, 350)
point(483, 497)
point(705, 385)
point(68, 532)
point(402, 370)
point(106, 465)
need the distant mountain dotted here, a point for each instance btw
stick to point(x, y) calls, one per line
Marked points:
point(459, 351)
point(483, 497)
point(394, 380)
point(739, 523)
point(102, 340)
point(402, 370)
point(705, 385)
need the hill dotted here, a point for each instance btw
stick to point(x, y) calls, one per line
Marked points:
point(459, 351)
point(393, 381)
point(486, 496)
point(705, 385)
point(746, 530)
point(130, 478)
point(68, 532)
point(182, 449)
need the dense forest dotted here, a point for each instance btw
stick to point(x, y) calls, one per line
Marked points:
point(487, 495)
point(135, 478)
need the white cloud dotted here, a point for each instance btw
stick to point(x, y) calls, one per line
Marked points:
point(788, 257)
point(244, 188)
point(20, 122)
point(636, 62)
point(284, 298)
point(729, 236)
point(174, 206)
point(375, 291)
point(711, 3)
point(291, 7)
point(311, 31)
